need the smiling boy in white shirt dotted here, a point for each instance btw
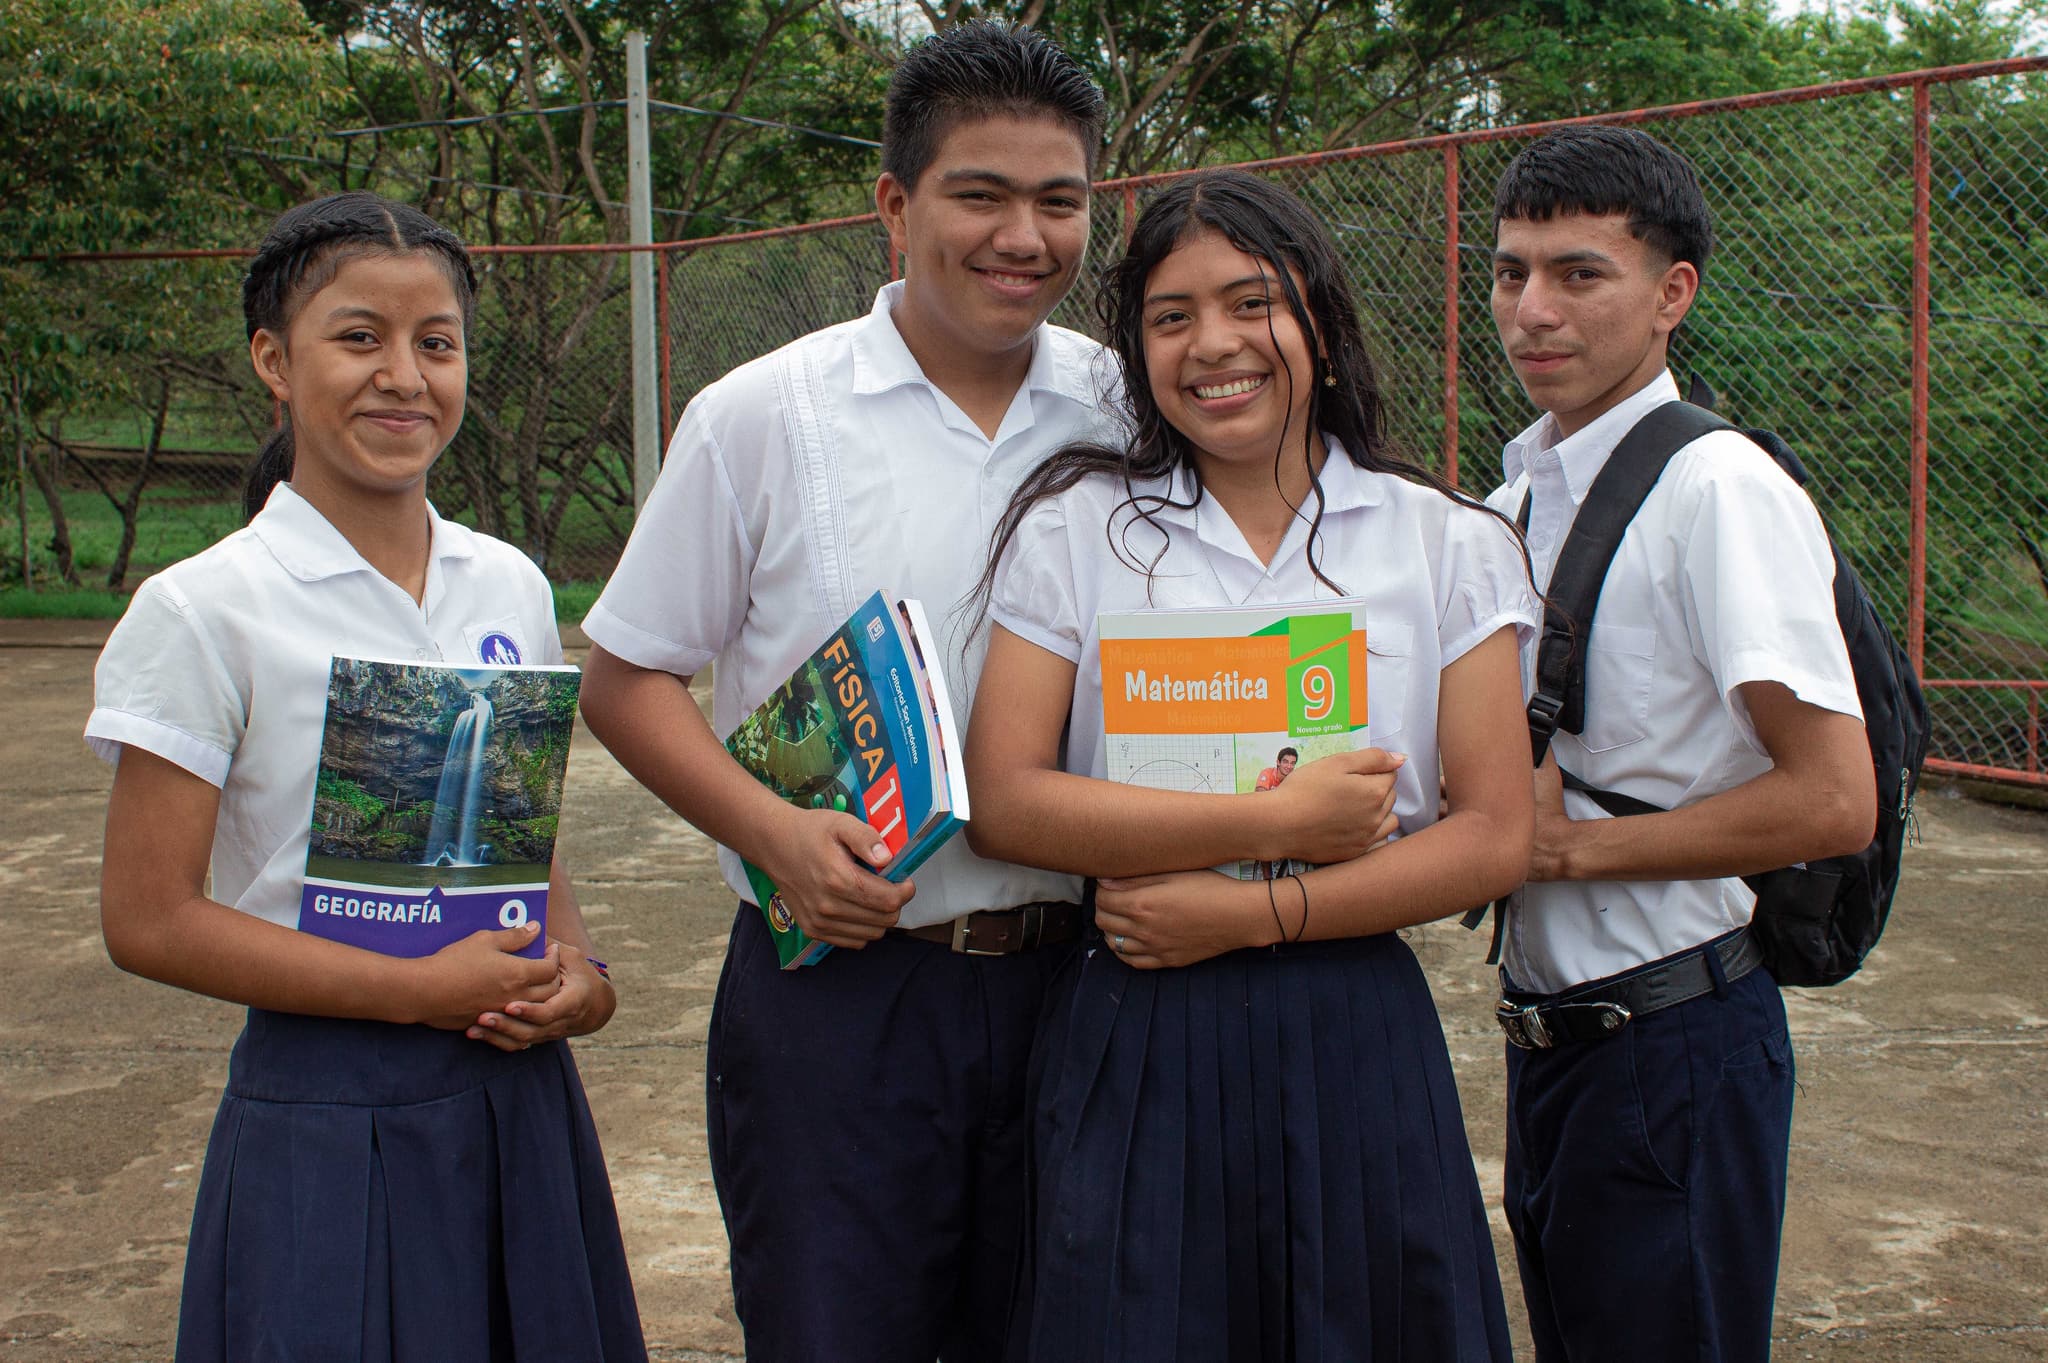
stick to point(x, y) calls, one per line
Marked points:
point(866, 1113)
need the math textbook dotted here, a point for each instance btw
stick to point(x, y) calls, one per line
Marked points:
point(1231, 700)
point(864, 726)
point(435, 808)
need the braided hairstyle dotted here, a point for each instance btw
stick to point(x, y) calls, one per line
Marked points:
point(300, 255)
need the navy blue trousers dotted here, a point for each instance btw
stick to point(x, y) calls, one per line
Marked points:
point(868, 1140)
point(1645, 1182)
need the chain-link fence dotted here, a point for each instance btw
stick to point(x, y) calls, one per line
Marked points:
point(1879, 295)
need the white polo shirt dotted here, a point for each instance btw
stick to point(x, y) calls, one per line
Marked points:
point(809, 478)
point(1723, 577)
point(220, 665)
point(1436, 578)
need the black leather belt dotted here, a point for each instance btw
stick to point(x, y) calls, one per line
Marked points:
point(998, 932)
point(1538, 1022)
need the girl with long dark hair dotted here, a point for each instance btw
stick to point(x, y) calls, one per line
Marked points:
point(403, 1165)
point(1247, 1141)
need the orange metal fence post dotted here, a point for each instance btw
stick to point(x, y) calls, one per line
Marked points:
point(1451, 312)
point(1916, 561)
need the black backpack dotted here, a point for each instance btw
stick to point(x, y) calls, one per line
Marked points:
point(1815, 922)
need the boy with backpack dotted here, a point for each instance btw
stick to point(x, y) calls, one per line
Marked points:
point(1650, 1071)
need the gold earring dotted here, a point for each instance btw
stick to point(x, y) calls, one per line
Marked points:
point(1329, 380)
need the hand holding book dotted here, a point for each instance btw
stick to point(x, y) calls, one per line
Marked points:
point(824, 868)
point(1332, 809)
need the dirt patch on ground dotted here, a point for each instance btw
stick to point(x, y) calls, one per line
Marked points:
point(1919, 1220)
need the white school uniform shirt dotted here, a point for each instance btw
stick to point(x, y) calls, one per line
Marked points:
point(220, 665)
point(1436, 578)
point(1723, 577)
point(804, 481)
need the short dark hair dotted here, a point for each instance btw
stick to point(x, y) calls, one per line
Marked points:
point(1289, 752)
point(1598, 169)
point(982, 69)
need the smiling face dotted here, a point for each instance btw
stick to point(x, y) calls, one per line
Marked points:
point(373, 369)
point(1585, 310)
point(993, 233)
point(1227, 363)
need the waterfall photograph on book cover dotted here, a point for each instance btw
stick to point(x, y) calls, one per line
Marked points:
point(435, 810)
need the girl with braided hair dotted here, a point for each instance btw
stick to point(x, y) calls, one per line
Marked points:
point(404, 1164)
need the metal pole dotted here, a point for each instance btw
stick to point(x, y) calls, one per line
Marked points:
point(640, 270)
point(1451, 312)
point(1916, 566)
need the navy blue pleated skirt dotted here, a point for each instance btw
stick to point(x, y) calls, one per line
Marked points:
point(393, 1193)
point(1259, 1157)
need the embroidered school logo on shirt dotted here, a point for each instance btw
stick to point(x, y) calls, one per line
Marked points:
point(498, 650)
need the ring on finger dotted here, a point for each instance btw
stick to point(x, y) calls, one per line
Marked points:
point(1116, 944)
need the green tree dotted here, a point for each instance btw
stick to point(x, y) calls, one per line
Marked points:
point(125, 123)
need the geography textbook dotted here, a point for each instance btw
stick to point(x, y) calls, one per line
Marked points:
point(863, 726)
point(434, 812)
point(1230, 700)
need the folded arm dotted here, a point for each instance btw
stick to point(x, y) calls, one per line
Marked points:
point(159, 923)
point(1819, 799)
point(820, 860)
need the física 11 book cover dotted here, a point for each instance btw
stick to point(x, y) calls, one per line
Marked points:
point(863, 726)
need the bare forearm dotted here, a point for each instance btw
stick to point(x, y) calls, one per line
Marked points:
point(565, 914)
point(651, 724)
point(1777, 819)
point(209, 948)
point(1469, 858)
point(1082, 826)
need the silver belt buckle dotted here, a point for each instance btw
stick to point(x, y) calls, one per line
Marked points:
point(1523, 1026)
point(960, 938)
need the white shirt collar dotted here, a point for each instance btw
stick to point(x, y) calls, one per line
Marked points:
point(1584, 453)
point(882, 361)
point(310, 548)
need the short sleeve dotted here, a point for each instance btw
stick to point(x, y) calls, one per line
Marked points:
point(680, 591)
point(1034, 587)
point(1487, 579)
point(1762, 587)
point(162, 685)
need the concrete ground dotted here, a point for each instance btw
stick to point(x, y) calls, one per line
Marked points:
point(1918, 1226)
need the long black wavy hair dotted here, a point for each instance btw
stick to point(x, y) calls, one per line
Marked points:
point(300, 255)
point(1267, 222)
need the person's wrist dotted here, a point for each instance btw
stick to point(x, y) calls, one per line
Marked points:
point(1261, 821)
point(408, 983)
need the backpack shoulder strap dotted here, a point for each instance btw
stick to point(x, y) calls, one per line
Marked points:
point(1559, 701)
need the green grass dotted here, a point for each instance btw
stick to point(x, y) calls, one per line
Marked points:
point(203, 430)
point(573, 600)
point(175, 521)
point(61, 603)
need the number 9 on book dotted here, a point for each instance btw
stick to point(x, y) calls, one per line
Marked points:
point(512, 913)
point(1318, 692)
